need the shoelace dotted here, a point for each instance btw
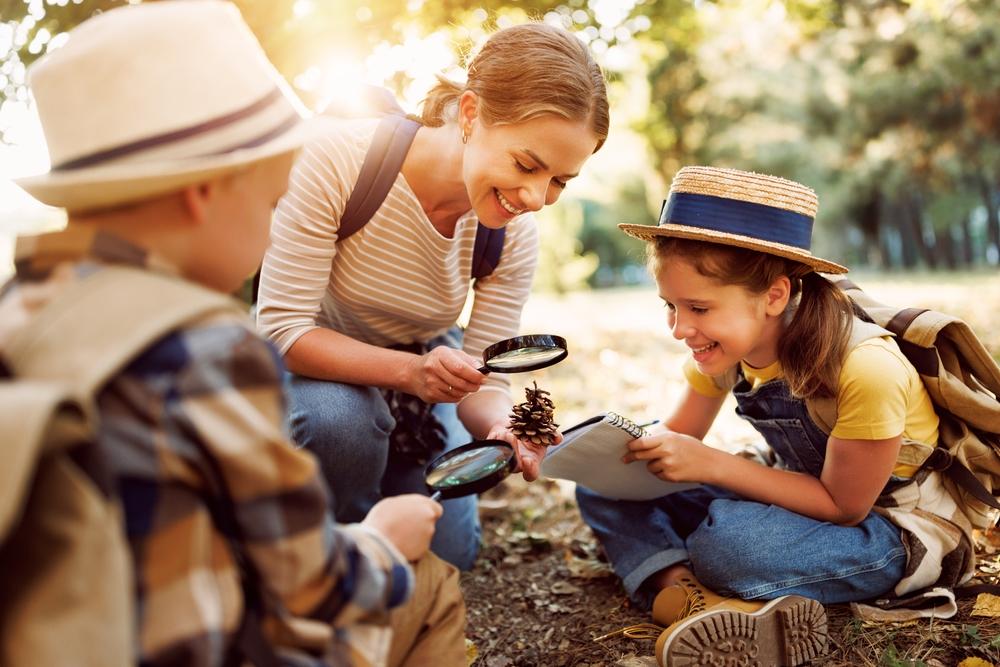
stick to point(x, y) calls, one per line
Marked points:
point(638, 631)
point(694, 603)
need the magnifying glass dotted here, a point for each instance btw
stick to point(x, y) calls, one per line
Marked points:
point(472, 468)
point(524, 353)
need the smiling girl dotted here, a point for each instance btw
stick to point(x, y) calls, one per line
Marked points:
point(367, 325)
point(737, 568)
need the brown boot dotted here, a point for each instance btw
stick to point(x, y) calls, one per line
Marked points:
point(688, 596)
point(788, 631)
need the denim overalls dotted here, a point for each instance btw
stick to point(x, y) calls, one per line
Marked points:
point(747, 549)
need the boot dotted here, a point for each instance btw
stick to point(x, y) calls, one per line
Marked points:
point(788, 631)
point(688, 596)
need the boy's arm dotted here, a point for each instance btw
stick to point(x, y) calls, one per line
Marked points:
point(232, 398)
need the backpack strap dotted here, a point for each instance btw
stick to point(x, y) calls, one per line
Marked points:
point(487, 250)
point(97, 325)
point(823, 411)
point(383, 161)
point(390, 144)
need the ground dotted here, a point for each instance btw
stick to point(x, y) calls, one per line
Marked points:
point(541, 592)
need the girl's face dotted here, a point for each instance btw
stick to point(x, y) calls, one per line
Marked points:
point(721, 324)
point(511, 169)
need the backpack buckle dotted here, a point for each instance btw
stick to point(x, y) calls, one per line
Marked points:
point(940, 460)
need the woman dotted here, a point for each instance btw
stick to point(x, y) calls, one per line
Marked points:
point(367, 325)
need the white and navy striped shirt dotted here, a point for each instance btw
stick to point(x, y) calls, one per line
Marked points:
point(397, 279)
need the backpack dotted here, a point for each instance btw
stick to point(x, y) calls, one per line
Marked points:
point(390, 144)
point(963, 382)
point(66, 592)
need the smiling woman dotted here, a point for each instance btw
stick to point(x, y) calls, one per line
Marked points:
point(366, 324)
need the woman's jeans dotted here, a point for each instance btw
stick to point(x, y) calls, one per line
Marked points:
point(347, 428)
point(742, 548)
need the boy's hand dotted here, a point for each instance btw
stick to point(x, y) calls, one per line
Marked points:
point(671, 456)
point(529, 455)
point(444, 375)
point(407, 521)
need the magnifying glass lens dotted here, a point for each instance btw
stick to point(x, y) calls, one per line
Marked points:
point(524, 356)
point(470, 466)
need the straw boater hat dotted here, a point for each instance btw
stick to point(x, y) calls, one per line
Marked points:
point(739, 208)
point(146, 99)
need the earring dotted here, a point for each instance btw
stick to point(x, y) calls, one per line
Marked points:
point(465, 136)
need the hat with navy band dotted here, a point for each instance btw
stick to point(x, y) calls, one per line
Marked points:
point(739, 208)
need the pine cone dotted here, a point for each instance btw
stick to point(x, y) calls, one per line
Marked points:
point(531, 421)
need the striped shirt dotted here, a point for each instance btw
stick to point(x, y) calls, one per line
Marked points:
point(397, 279)
point(204, 406)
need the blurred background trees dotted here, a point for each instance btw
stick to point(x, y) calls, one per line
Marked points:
point(890, 109)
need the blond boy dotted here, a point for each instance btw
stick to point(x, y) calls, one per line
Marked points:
point(171, 138)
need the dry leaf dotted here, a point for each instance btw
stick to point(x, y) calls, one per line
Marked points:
point(975, 662)
point(471, 652)
point(987, 604)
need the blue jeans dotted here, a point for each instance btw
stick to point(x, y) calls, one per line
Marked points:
point(347, 427)
point(742, 548)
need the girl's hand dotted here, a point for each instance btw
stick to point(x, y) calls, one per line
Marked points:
point(671, 456)
point(443, 375)
point(529, 455)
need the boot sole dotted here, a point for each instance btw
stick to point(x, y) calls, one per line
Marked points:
point(788, 631)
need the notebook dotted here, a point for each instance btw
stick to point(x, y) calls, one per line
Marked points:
point(591, 455)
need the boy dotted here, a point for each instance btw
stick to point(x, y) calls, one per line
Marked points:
point(171, 138)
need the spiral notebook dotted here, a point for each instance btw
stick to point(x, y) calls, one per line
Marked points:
point(591, 455)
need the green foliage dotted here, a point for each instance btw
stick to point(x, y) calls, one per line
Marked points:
point(562, 266)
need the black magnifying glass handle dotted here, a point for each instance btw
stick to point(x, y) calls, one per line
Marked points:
point(484, 370)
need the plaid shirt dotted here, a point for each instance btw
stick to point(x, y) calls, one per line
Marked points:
point(205, 406)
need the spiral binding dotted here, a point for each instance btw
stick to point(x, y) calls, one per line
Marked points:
point(625, 424)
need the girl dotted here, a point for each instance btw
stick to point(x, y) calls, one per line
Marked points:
point(367, 325)
point(836, 520)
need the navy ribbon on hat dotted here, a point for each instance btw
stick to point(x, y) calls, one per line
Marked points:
point(758, 221)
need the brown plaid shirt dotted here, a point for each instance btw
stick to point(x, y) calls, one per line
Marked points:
point(204, 403)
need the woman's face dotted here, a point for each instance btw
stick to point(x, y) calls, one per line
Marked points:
point(511, 169)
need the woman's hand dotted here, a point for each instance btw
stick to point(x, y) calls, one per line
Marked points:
point(443, 375)
point(529, 455)
point(671, 456)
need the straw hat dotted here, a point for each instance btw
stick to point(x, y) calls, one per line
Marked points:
point(146, 99)
point(740, 208)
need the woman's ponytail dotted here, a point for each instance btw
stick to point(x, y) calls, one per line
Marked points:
point(441, 104)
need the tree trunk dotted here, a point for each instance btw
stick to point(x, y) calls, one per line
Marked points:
point(967, 254)
point(912, 211)
point(988, 193)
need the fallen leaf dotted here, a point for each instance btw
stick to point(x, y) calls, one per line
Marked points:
point(975, 662)
point(471, 652)
point(987, 604)
point(565, 588)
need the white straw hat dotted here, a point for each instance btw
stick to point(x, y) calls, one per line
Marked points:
point(740, 208)
point(145, 99)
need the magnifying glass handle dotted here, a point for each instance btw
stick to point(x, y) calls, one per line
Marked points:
point(436, 496)
point(483, 370)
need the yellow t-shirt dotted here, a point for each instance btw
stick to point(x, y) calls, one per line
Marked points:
point(880, 396)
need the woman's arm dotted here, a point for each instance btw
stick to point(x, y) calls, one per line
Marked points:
point(443, 375)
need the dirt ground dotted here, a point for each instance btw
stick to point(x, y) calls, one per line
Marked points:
point(541, 592)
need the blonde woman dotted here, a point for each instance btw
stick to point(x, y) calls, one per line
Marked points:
point(382, 378)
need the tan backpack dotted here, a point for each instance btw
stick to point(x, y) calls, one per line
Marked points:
point(963, 382)
point(66, 591)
